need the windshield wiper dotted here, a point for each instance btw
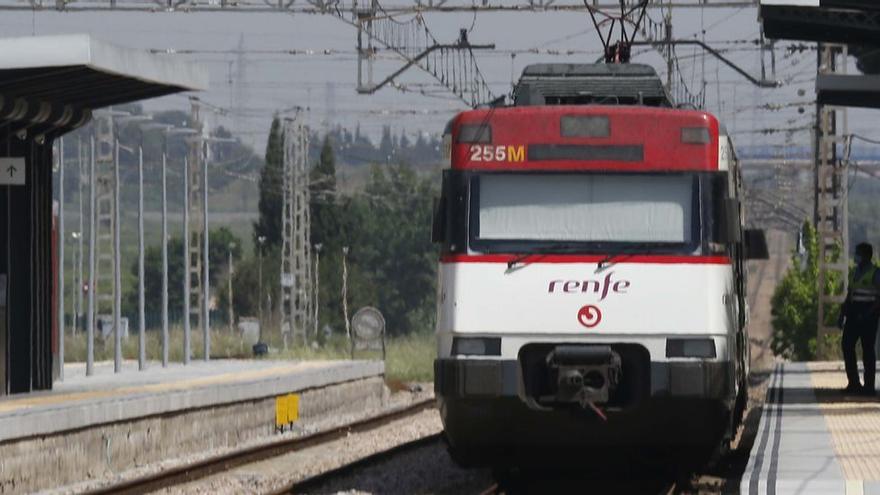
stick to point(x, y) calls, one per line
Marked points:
point(616, 254)
point(550, 249)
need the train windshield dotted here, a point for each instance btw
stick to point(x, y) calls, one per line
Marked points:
point(594, 211)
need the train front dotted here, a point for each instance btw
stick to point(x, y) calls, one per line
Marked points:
point(590, 298)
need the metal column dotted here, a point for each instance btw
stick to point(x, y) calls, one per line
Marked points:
point(117, 269)
point(164, 257)
point(187, 324)
point(59, 239)
point(92, 306)
point(206, 283)
point(142, 357)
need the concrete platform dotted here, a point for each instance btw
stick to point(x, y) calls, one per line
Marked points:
point(87, 427)
point(812, 439)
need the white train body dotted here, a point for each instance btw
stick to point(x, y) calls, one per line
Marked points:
point(591, 286)
point(643, 302)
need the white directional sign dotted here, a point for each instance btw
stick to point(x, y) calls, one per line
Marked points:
point(12, 171)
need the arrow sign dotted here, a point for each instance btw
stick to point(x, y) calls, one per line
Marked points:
point(12, 171)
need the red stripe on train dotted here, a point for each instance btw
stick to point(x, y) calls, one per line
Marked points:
point(587, 258)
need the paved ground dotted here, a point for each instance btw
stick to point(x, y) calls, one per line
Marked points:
point(814, 439)
point(854, 422)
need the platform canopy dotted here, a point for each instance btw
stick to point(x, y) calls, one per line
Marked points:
point(49, 85)
point(68, 76)
point(855, 23)
point(852, 22)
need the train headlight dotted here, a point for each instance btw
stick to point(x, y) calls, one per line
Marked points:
point(690, 348)
point(476, 346)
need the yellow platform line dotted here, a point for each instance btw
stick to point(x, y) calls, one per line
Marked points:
point(10, 405)
point(854, 425)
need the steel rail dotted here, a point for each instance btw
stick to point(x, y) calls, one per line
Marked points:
point(224, 462)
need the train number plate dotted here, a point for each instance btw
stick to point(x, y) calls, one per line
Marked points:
point(499, 153)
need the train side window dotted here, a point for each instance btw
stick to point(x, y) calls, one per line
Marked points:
point(438, 227)
point(449, 225)
point(717, 199)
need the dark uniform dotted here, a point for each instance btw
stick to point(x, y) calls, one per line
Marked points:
point(860, 310)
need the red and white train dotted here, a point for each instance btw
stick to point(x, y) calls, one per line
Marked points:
point(592, 277)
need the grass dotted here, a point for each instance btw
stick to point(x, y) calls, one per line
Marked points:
point(224, 344)
point(408, 358)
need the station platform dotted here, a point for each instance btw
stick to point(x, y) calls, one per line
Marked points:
point(110, 422)
point(813, 439)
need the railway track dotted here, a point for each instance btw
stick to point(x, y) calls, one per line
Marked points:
point(351, 476)
point(200, 469)
point(306, 485)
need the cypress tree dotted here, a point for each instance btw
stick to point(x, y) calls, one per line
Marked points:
point(271, 199)
point(325, 214)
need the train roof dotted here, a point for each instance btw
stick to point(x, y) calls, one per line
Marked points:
point(585, 84)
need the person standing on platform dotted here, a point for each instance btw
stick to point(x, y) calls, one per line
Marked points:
point(858, 318)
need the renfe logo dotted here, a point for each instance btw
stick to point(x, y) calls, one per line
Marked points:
point(589, 316)
point(595, 286)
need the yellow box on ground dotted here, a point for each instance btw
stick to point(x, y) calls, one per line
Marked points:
point(281, 409)
point(292, 408)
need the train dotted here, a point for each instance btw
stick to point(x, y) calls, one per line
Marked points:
point(592, 275)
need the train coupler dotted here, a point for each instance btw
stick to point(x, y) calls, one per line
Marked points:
point(585, 375)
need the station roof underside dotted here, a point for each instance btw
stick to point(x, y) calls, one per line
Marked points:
point(75, 74)
point(854, 22)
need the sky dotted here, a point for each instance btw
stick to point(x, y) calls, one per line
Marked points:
point(257, 83)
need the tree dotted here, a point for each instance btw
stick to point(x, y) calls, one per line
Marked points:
point(271, 195)
point(219, 243)
point(386, 145)
point(153, 284)
point(325, 225)
point(246, 286)
point(218, 247)
point(795, 303)
point(393, 253)
point(328, 229)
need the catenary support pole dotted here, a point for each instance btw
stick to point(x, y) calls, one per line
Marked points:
point(142, 351)
point(90, 316)
point(187, 343)
point(164, 259)
point(117, 266)
point(260, 240)
point(60, 240)
point(345, 298)
point(206, 287)
point(80, 240)
point(317, 280)
point(229, 289)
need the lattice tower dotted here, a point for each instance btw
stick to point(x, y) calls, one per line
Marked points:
point(296, 265)
point(105, 204)
point(196, 215)
point(830, 203)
